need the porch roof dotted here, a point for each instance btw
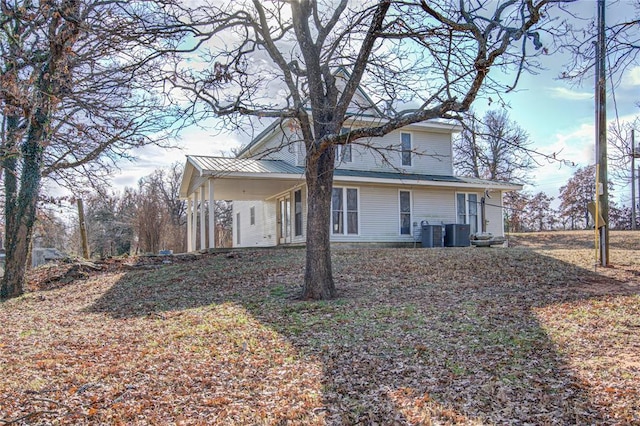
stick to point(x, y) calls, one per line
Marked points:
point(251, 179)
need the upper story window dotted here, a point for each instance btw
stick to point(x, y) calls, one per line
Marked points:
point(343, 152)
point(405, 141)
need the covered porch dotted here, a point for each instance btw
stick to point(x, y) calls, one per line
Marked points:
point(207, 179)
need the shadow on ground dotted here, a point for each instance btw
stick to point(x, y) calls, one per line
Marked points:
point(446, 335)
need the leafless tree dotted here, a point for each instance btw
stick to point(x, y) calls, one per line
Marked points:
point(422, 60)
point(76, 95)
point(493, 147)
point(622, 43)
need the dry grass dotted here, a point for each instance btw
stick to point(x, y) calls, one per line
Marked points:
point(529, 334)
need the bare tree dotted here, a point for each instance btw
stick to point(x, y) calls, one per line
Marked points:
point(424, 60)
point(109, 218)
point(619, 152)
point(75, 97)
point(493, 147)
point(622, 49)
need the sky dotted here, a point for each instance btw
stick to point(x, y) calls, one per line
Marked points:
point(558, 116)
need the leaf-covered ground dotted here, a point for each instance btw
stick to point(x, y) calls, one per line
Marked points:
point(530, 334)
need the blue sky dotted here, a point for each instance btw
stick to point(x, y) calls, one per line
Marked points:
point(558, 115)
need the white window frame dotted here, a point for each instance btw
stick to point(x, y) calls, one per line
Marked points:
point(252, 215)
point(345, 220)
point(402, 150)
point(400, 213)
point(467, 216)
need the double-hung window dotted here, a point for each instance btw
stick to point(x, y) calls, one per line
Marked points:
point(344, 211)
point(343, 152)
point(405, 146)
point(405, 213)
point(467, 210)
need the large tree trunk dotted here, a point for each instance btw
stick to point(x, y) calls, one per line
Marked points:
point(22, 209)
point(318, 279)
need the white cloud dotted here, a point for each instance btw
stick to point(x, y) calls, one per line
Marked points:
point(632, 77)
point(564, 93)
point(574, 148)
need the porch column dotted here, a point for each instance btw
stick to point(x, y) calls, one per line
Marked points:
point(203, 224)
point(189, 224)
point(194, 226)
point(212, 217)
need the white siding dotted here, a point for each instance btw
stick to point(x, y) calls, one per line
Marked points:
point(278, 146)
point(432, 153)
point(263, 233)
point(379, 218)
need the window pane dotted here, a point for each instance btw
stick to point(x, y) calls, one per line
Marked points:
point(346, 153)
point(405, 201)
point(473, 204)
point(461, 208)
point(336, 199)
point(352, 222)
point(352, 199)
point(297, 197)
point(337, 222)
point(405, 224)
point(405, 139)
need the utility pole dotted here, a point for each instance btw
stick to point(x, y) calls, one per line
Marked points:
point(602, 192)
point(633, 179)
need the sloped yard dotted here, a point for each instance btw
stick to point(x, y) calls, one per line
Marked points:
point(532, 334)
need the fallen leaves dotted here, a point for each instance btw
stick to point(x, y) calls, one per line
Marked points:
point(422, 336)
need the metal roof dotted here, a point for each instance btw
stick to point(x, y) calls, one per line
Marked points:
point(220, 166)
point(420, 177)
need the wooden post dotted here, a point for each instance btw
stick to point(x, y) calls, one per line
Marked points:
point(633, 179)
point(601, 135)
point(83, 230)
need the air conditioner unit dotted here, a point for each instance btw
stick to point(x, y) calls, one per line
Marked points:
point(432, 236)
point(457, 235)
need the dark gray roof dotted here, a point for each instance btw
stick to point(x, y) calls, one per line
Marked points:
point(418, 176)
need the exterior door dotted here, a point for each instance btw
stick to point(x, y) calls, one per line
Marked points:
point(284, 219)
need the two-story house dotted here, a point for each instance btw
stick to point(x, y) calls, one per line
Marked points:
point(384, 188)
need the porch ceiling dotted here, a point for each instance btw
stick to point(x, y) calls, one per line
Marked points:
point(251, 188)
